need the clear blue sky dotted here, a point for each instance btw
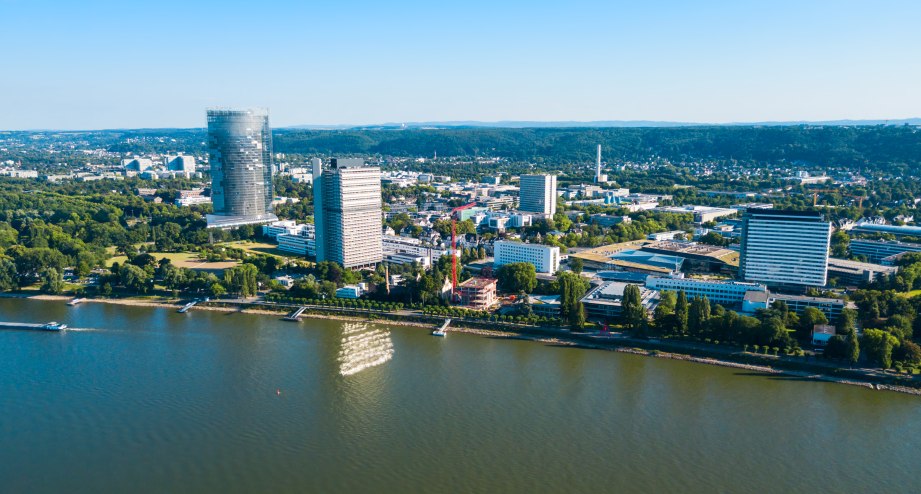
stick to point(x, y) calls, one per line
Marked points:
point(115, 64)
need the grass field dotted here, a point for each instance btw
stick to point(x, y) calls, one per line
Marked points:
point(258, 248)
point(188, 260)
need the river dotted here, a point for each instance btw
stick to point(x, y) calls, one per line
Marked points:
point(138, 399)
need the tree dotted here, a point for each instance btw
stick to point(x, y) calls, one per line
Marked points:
point(633, 312)
point(242, 279)
point(572, 289)
point(852, 350)
point(8, 275)
point(681, 313)
point(878, 345)
point(909, 352)
point(698, 315)
point(807, 321)
point(713, 238)
point(52, 281)
point(576, 264)
point(133, 278)
point(663, 316)
point(517, 277)
point(577, 316)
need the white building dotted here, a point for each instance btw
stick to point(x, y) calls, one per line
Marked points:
point(279, 227)
point(191, 200)
point(538, 194)
point(718, 292)
point(137, 164)
point(347, 212)
point(545, 258)
point(785, 248)
point(301, 243)
point(180, 163)
point(395, 246)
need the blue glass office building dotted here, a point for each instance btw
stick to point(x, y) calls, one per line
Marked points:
point(240, 153)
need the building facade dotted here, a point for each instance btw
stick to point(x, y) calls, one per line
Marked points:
point(877, 250)
point(785, 248)
point(545, 258)
point(538, 194)
point(478, 293)
point(725, 293)
point(240, 153)
point(347, 213)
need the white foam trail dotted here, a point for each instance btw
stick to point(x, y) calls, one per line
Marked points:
point(363, 348)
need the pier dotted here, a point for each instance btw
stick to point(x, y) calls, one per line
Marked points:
point(443, 330)
point(296, 315)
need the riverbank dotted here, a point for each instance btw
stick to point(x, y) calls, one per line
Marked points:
point(547, 336)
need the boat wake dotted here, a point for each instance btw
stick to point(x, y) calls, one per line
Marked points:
point(363, 348)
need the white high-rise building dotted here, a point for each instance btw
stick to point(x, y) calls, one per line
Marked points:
point(180, 163)
point(785, 248)
point(538, 194)
point(347, 213)
point(545, 258)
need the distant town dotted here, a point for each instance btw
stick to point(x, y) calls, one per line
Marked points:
point(798, 262)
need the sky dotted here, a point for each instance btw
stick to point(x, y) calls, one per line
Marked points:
point(133, 64)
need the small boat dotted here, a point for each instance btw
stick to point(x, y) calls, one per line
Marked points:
point(76, 301)
point(53, 326)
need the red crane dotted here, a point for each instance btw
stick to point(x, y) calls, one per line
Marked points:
point(454, 245)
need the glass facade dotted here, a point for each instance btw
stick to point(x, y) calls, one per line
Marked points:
point(240, 151)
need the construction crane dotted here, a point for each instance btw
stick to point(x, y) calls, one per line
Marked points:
point(816, 192)
point(454, 216)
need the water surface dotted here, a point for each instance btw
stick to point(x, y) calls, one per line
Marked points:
point(148, 400)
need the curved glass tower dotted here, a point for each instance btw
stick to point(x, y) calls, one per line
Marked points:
point(240, 153)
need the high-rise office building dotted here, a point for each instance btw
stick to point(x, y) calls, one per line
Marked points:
point(240, 153)
point(785, 248)
point(538, 194)
point(347, 213)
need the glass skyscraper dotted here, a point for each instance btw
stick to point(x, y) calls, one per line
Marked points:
point(240, 153)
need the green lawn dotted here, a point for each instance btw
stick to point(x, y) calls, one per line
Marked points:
point(183, 260)
point(258, 248)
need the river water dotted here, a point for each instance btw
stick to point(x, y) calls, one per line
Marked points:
point(147, 400)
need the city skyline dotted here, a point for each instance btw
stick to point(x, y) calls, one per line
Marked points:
point(586, 61)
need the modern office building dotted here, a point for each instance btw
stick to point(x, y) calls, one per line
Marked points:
point(877, 250)
point(785, 248)
point(725, 293)
point(180, 163)
point(605, 302)
point(854, 273)
point(240, 153)
point(545, 258)
point(347, 213)
point(831, 307)
point(538, 194)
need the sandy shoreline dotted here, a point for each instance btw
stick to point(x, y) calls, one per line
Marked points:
point(611, 346)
